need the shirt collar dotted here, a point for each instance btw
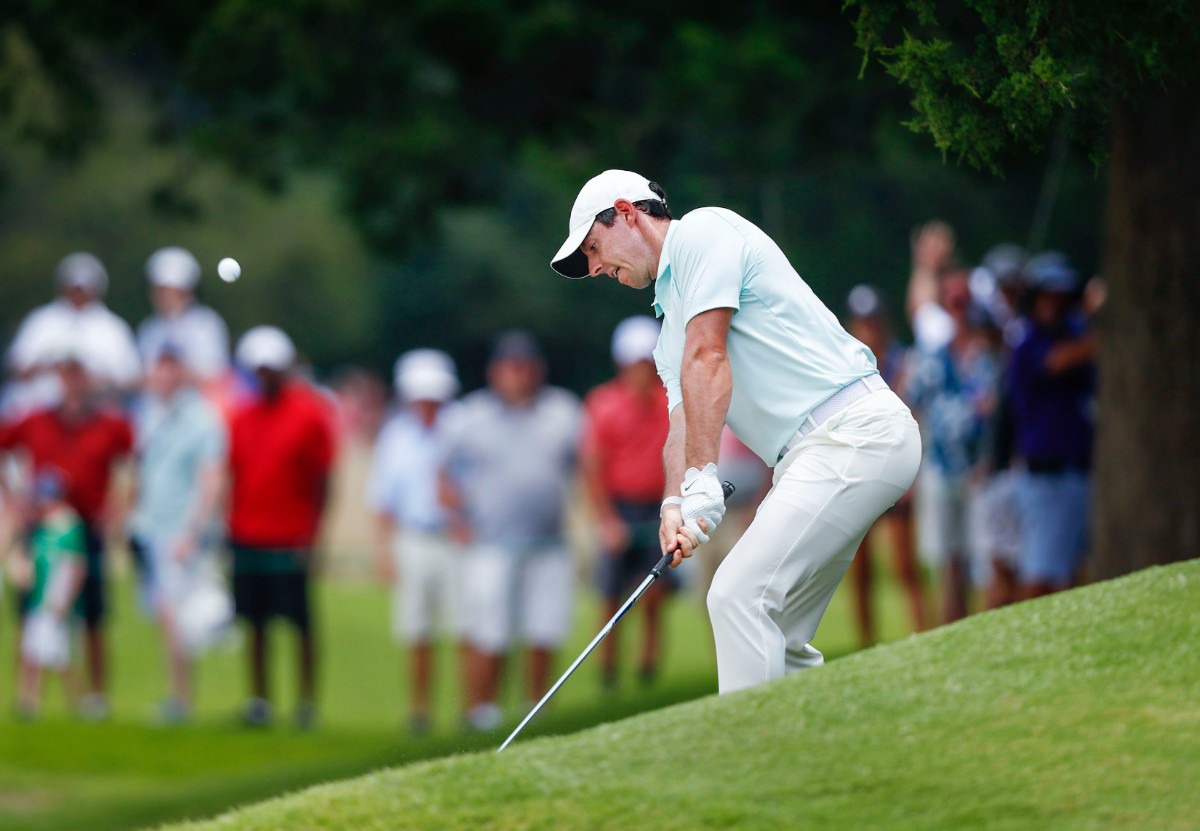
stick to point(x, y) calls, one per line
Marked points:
point(662, 282)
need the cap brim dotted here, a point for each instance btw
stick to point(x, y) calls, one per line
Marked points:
point(570, 262)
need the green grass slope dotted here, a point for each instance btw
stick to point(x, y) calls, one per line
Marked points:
point(1078, 711)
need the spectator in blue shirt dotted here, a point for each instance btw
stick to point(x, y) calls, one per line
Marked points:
point(1052, 378)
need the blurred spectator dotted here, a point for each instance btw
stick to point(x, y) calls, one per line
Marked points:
point(510, 457)
point(84, 442)
point(281, 449)
point(415, 550)
point(932, 256)
point(56, 568)
point(1052, 377)
point(952, 391)
point(869, 324)
point(105, 341)
point(173, 274)
point(997, 288)
point(625, 427)
point(176, 525)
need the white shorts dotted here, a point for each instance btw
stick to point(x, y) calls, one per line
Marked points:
point(429, 586)
point(944, 508)
point(527, 591)
point(999, 533)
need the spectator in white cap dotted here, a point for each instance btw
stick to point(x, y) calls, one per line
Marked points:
point(416, 552)
point(173, 274)
point(104, 340)
point(281, 450)
point(625, 427)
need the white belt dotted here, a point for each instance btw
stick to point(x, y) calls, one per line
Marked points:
point(833, 405)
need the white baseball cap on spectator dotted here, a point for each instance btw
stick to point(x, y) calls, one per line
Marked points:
point(82, 270)
point(173, 267)
point(598, 194)
point(426, 375)
point(634, 340)
point(266, 347)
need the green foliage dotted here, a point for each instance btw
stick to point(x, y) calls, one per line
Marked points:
point(989, 76)
point(1023, 718)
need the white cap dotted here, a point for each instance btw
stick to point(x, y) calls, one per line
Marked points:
point(266, 347)
point(426, 375)
point(173, 267)
point(634, 340)
point(599, 194)
point(83, 271)
point(64, 349)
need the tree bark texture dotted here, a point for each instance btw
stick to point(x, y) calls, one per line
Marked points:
point(1147, 471)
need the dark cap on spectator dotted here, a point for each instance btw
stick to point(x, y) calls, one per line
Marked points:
point(516, 345)
point(1051, 271)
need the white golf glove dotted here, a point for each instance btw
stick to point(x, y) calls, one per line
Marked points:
point(704, 497)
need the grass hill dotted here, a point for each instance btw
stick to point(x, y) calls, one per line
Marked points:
point(1077, 711)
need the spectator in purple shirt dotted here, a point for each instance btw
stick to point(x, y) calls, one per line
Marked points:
point(1052, 378)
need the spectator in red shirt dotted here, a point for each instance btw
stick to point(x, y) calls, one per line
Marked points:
point(280, 454)
point(626, 424)
point(83, 443)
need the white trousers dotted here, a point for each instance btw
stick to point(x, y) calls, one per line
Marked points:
point(770, 592)
point(429, 586)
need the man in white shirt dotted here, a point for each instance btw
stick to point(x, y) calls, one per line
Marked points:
point(416, 551)
point(173, 274)
point(745, 341)
point(104, 341)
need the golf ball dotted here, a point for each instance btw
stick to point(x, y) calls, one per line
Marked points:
point(229, 270)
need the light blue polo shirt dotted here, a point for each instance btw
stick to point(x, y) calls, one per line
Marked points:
point(787, 351)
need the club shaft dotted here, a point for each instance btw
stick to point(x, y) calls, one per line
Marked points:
point(608, 627)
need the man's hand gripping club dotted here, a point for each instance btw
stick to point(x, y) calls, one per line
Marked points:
point(688, 520)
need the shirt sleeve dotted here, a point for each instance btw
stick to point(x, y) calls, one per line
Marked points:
point(380, 479)
point(707, 263)
point(670, 382)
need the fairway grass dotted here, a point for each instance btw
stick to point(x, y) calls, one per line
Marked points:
point(1077, 711)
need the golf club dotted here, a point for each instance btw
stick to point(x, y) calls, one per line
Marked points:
point(654, 574)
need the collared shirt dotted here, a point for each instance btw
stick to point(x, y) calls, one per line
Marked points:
point(198, 330)
point(84, 452)
point(626, 433)
point(787, 351)
point(403, 481)
point(280, 455)
point(177, 440)
point(513, 464)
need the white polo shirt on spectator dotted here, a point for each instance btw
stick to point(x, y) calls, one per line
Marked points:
point(786, 350)
point(403, 481)
point(198, 331)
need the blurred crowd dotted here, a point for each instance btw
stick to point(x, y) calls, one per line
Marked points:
point(213, 469)
point(1001, 377)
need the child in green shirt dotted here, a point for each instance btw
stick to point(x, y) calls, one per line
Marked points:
point(58, 563)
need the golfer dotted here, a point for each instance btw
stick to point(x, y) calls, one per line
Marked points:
point(744, 340)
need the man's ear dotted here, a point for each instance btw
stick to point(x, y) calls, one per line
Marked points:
point(625, 210)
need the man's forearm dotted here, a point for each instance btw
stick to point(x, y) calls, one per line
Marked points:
point(707, 385)
point(674, 463)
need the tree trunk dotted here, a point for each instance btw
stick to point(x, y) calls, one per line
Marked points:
point(1147, 473)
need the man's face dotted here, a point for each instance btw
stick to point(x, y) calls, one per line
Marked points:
point(169, 301)
point(75, 380)
point(621, 252)
point(166, 376)
point(515, 379)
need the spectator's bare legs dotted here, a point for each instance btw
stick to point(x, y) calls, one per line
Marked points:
point(540, 661)
point(178, 665)
point(421, 667)
point(608, 648)
point(97, 659)
point(653, 598)
point(29, 689)
point(1032, 590)
point(905, 551)
point(258, 660)
point(483, 677)
point(954, 589)
point(307, 662)
point(861, 571)
point(1002, 589)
